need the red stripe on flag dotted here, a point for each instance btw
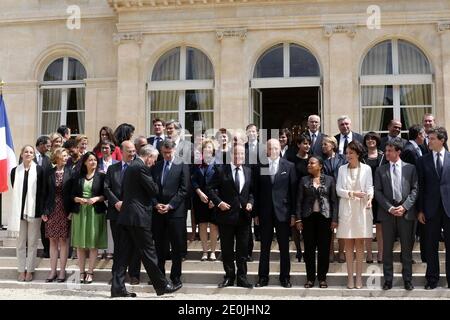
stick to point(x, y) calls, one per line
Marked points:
point(3, 175)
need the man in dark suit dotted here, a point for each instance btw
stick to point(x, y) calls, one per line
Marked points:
point(346, 134)
point(276, 194)
point(159, 137)
point(434, 203)
point(315, 135)
point(169, 216)
point(113, 192)
point(394, 128)
point(396, 192)
point(231, 192)
point(414, 148)
point(429, 123)
point(135, 226)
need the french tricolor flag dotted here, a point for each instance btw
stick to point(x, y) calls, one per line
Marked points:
point(7, 156)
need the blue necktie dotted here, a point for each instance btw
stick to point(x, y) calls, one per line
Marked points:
point(165, 172)
point(122, 173)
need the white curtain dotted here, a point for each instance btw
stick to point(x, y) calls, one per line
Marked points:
point(411, 60)
point(51, 101)
point(168, 66)
point(378, 60)
point(374, 96)
point(198, 65)
point(80, 106)
point(415, 95)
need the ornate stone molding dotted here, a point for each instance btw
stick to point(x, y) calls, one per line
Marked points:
point(330, 29)
point(240, 33)
point(120, 37)
point(443, 26)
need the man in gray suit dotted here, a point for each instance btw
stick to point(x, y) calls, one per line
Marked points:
point(396, 191)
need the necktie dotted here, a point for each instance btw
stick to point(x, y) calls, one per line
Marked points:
point(438, 164)
point(158, 142)
point(313, 139)
point(273, 171)
point(397, 183)
point(122, 173)
point(345, 144)
point(237, 181)
point(165, 172)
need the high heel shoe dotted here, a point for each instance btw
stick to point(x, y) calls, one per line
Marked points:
point(82, 277)
point(358, 284)
point(61, 279)
point(51, 279)
point(89, 277)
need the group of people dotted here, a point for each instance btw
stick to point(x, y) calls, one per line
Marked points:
point(132, 199)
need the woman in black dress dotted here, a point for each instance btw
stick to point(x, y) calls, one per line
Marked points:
point(374, 158)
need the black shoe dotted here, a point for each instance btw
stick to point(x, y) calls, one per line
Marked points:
point(286, 283)
point(124, 294)
point(51, 279)
point(430, 286)
point(387, 285)
point(244, 284)
point(177, 282)
point(299, 256)
point(169, 288)
point(262, 282)
point(227, 282)
point(408, 286)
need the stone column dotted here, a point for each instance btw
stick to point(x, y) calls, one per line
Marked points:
point(128, 78)
point(232, 84)
point(441, 112)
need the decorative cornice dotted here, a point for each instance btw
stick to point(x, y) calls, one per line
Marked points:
point(240, 33)
point(120, 37)
point(443, 26)
point(330, 29)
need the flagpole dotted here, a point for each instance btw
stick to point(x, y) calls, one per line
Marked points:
point(1, 194)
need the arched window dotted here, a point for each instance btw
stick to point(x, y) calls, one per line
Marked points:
point(182, 88)
point(62, 93)
point(396, 83)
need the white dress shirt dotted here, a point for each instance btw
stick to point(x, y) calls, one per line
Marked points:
point(155, 140)
point(442, 152)
point(342, 141)
point(241, 175)
point(273, 166)
point(283, 151)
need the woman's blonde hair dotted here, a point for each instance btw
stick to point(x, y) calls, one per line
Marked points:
point(209, 141)
point(26, 146)
point(57, 154)
point(332, 140)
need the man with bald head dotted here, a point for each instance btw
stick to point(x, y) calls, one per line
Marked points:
point(276, 193)
point(315, 135)
point(394, 128)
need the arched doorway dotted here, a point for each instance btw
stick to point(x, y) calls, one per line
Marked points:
point(286, 88)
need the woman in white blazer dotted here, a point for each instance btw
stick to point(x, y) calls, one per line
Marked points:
point(354, 187)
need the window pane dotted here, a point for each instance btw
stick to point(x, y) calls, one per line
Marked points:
point(411, 59)
point(205, 117)
point(54, 71)
point(164, 100)
point(376, 119)
point(303, 63)
point(411, 116)
point(199, 100)
point(271, 63)
point(377, 96)
point(256, 102)
point(198, 65)
point(415, 95)
point(51, 99)
point(50, 122)
point(256, 119)
point(76, 70)
point(75, 121)
point(378, 60)
point(164, 116)
point(75, 99)
point(168, 66)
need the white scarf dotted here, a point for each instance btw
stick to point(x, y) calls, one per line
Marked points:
point(29, 209)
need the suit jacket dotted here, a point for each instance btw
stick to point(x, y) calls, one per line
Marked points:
point(291, 153)
point(200, 181)
point(101, 165)
point(40, 187)
point(138, 191)
point(97, 190)
point(410, 154)
point(433, 190)
point(280, 197)
point(222, 188)
point(331, 166)
point(151, 140)
point(50, 191)
point(355, 136)
point(185, 152)
point(316, 149)
point(385, 139)
point(307, 194)
point(384, 193)
point(113, 189)
point(254, 157)
point(175, 189)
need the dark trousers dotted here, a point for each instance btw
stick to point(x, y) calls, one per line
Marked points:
point(420, 232)
point(317, 235)
point(393, 226)
point(283, 231)
point(45, 241)
point(170, 231)
point(432, 234)
point(134, 265)
point(228, 234)
point(141, 238)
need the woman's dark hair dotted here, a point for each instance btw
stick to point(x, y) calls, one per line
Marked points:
point(123, 132)
point(286, 132)
point(318, 158)
point(357, 146)
point(83, 169)
point(374, 136)
point(111, 138)
point(111, 145)
point(302, 138)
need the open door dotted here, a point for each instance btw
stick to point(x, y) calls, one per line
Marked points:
point(257, 109)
